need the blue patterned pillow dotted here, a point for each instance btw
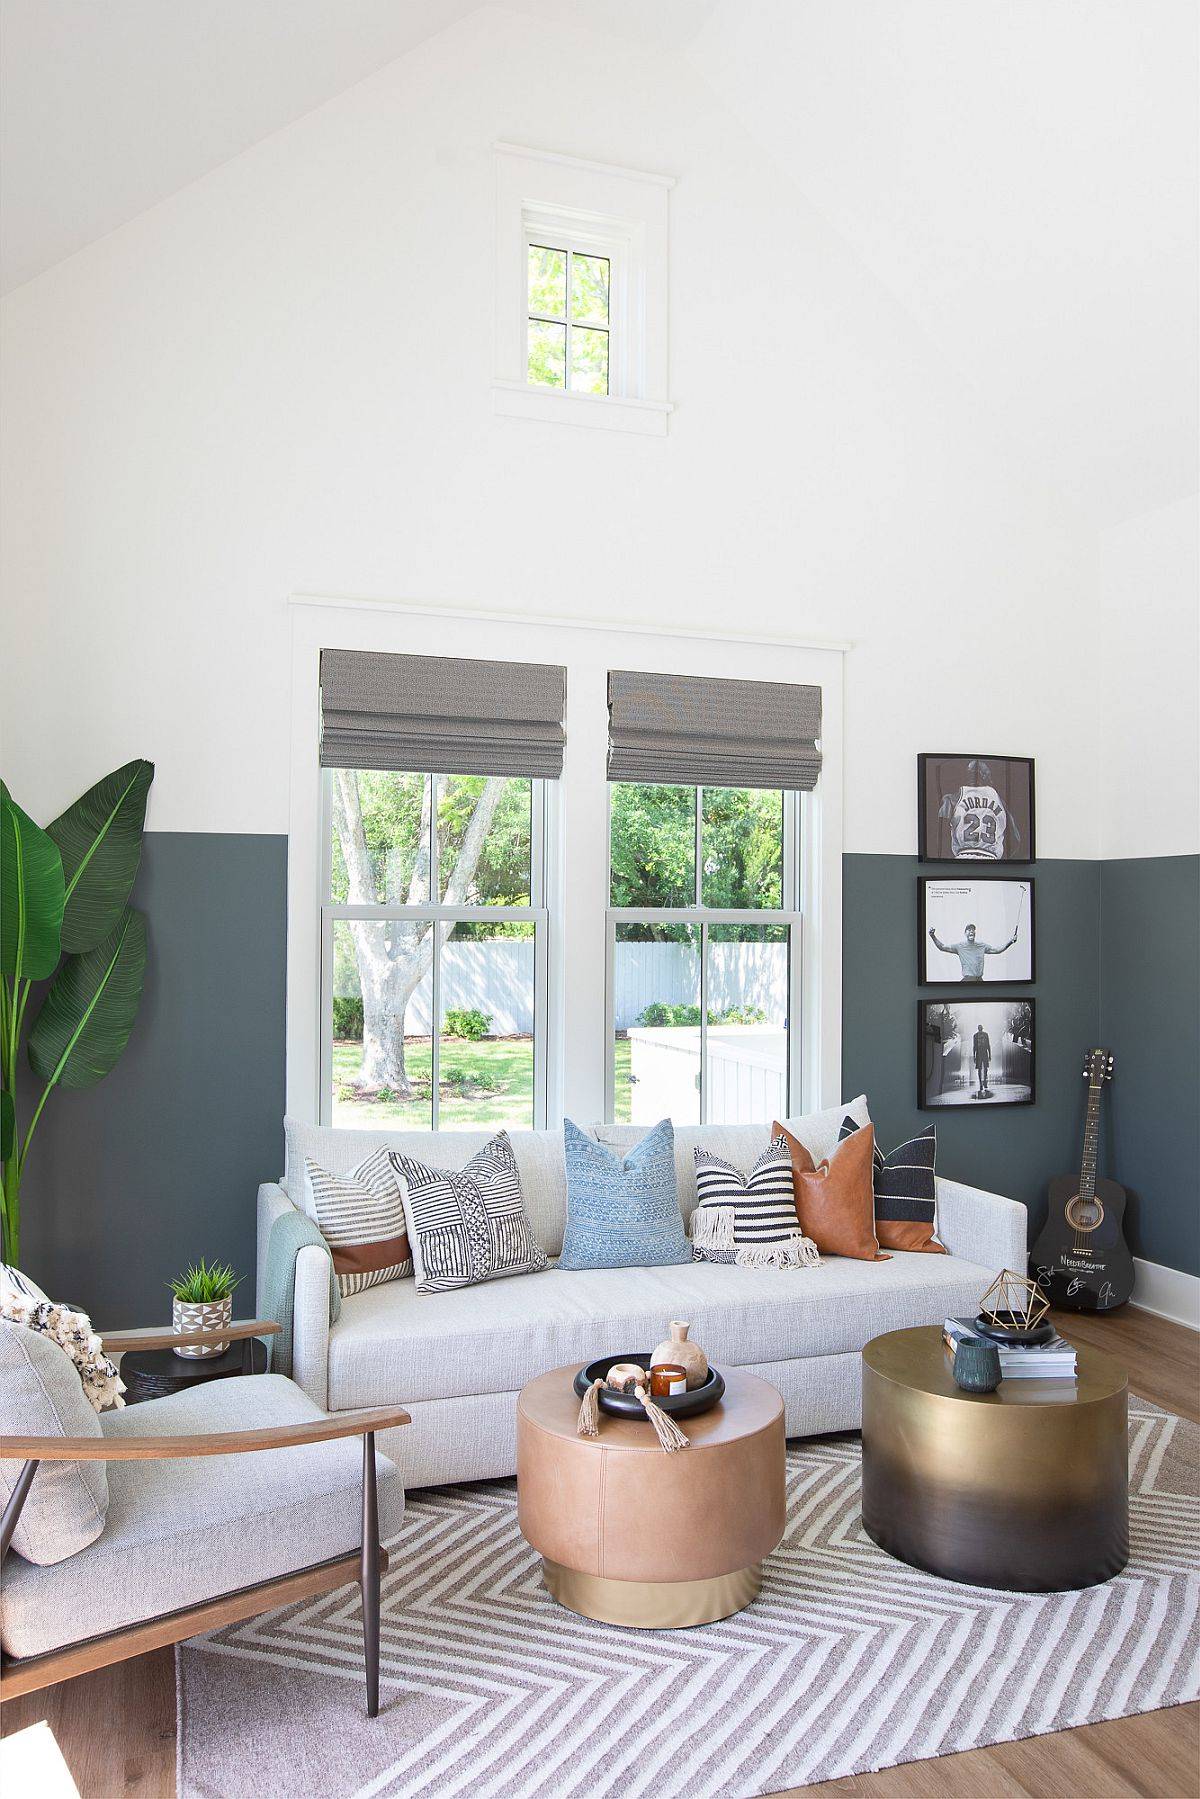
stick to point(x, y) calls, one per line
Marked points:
point(622, 1211)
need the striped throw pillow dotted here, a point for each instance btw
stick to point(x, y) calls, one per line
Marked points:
point(751, 1218)
point(905, 1192)
point(469, 1226)
point(361, 1217)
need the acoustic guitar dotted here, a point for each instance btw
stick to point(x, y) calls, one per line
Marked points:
point(1081, 1259)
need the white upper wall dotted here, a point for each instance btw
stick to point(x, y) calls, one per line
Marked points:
point(278, 381)
point(1146, 720)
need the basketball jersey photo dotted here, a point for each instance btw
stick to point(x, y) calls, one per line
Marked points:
point(978, 821)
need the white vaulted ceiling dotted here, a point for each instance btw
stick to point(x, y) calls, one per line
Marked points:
point(1021, 175)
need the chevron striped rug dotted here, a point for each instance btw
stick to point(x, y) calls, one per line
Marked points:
point(848, 1661)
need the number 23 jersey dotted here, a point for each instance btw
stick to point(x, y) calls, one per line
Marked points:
point(978, 821)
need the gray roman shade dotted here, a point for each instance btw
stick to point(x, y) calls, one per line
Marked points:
point(692, 731)
point(441, 714)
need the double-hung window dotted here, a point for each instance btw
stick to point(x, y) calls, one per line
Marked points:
point(706, 778)
point(433, 951)
point(434, 910)
point(703, 954)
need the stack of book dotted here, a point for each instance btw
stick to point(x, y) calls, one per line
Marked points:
point(1052, 1360)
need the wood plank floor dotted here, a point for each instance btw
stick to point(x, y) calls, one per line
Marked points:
point(116, 1729)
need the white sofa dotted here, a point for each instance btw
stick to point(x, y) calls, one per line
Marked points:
point(458, 1360)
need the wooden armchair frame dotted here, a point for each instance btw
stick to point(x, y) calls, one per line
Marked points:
point(366, 1565)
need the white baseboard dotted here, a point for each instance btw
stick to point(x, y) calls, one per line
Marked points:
point(1166, 1291)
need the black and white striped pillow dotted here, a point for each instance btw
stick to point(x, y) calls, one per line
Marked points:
point(905, 1191)
point(470, 1226)
point(748, 1218)
point(361, 1217)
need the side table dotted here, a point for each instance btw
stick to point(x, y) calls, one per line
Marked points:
point(1026, 1488)
point(151, 1373)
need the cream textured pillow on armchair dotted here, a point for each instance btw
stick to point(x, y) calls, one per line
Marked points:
point(41, 1395)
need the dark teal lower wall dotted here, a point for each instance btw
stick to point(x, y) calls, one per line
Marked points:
point(1150, 1019)
point(160, 1162)
point(1015, 1150)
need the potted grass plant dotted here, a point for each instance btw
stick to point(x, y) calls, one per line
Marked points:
point(203, 1301)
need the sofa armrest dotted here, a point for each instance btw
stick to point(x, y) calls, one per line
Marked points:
point(310, 1325)
point(273, 1202)
point(982, 1227)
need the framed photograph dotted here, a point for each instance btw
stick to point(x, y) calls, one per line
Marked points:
point(975, 1052)
point(974, 932)
point(975, 808)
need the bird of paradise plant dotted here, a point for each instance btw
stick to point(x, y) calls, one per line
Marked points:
point(65, 918)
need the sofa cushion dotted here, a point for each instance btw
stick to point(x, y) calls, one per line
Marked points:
point(622, 1209)
point(392, 1344)
point(183, 1531)
point(539, 1162)
point(361, 1217)
point(741, 1144)
point(41, 1395)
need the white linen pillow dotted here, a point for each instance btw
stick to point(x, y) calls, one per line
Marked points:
point(361, 1217)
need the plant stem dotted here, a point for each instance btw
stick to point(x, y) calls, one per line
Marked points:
point(46, 1092)
point(12, 1209)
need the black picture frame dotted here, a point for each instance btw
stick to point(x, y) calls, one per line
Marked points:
point(931, 1064)
point(925, 979)
point(1012, 778)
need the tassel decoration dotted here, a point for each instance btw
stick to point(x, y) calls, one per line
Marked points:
point(666, 1430)
point(798, 1251)
point(589, 1411)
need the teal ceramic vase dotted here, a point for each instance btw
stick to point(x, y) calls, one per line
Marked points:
point(977, 1366)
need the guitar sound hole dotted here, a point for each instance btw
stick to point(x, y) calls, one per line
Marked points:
point(1082, 1216)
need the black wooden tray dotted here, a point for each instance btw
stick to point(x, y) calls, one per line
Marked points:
point(628, 1405)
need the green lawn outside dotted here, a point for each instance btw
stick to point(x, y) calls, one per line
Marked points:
point(482, 1084)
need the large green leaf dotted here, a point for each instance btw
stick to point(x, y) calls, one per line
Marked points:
point(88, 1013)
point(31, 895)
point(100, 838)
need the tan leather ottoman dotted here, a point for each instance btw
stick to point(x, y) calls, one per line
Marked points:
point(630, 1535)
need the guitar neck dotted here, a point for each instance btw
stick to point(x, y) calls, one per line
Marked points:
point(1091, 1143)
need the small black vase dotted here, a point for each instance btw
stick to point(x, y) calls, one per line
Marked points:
point(977, 1366)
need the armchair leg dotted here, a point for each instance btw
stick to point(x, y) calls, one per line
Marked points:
point(369, 1574)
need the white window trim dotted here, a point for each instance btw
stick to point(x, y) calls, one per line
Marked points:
point(535, 913)
point(598, 209)
point(576, 821)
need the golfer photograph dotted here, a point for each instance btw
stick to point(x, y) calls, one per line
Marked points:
point(975, 1052)
point(975, 932)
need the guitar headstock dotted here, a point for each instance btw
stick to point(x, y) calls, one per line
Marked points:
point(1098, 1067)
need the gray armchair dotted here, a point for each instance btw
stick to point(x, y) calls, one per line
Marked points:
point(138, 1528)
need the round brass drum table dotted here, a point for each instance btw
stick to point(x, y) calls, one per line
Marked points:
point(631, 1535)
point(1025, 1488)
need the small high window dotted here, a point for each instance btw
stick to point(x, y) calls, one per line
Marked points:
point(569, 319)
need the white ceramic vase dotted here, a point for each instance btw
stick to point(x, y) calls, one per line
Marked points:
point(209, 1317)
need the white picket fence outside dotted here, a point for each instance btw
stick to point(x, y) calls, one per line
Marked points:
point(747, 1074)
point(496, 978)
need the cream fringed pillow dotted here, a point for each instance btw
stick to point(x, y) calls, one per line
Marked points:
point(23, 1303)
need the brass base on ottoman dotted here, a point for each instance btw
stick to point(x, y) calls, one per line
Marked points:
point(653, 1604)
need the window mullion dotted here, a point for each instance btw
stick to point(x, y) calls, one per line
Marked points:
point(567, 364)
point(703, 1021)
point(698, 889)
point(435, 1016)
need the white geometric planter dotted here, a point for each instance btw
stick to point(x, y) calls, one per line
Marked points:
point(201, 1318)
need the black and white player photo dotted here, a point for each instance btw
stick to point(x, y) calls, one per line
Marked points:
point(974, 1052)
point(975, 808)
point(975, 933)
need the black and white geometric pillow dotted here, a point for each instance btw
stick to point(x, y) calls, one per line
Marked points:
point(469, 1226)
point(361, 1217)
point(905, 1190)
point(751, 1218)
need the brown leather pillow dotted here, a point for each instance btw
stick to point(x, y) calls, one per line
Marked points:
point(835, 1202)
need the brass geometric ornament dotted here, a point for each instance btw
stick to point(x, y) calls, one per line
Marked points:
point(1015, 1301)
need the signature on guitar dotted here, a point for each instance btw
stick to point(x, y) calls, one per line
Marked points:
point(1074, 1287)
point(1107, 1294)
